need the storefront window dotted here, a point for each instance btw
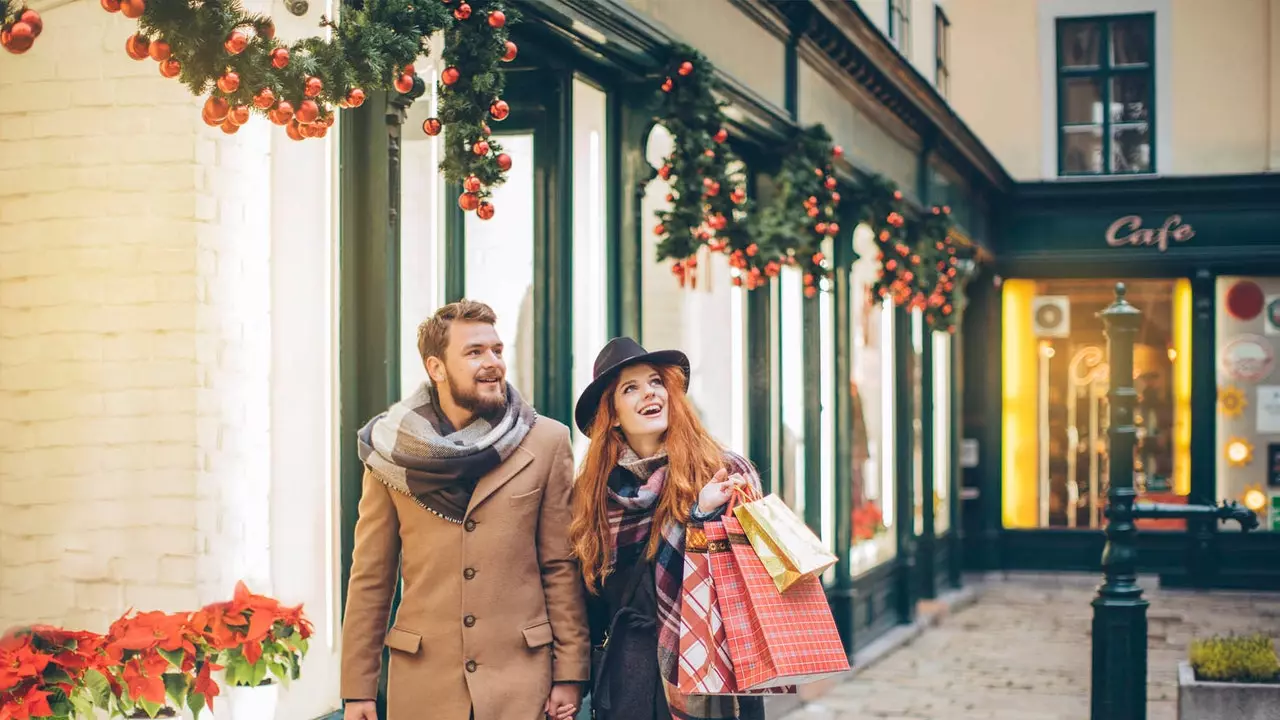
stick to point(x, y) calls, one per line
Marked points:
point(915, 371)
point(590, 239)
point(827, 410)
point(941, 433)
point(1055, 410)
point(791, 337)
point(872, 396)
point(1248, 446)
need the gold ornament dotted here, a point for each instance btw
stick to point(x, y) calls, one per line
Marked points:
point(1254, 498)
point(1231, 401)
point(1239, 452)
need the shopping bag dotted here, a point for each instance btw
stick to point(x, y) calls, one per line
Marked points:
point(785, 545)
point(774, 638)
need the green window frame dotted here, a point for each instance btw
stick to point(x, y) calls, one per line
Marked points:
point(1105, 74)
point(900, 25)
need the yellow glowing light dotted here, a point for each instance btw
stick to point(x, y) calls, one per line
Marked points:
point(1254, 498)
point(1020, 370)
point(1239, 452)
point(1231, 401)
point(1180, 356)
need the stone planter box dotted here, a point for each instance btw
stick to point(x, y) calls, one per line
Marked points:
point(1225, 701)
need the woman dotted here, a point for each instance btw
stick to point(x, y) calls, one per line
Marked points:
point(650, 470)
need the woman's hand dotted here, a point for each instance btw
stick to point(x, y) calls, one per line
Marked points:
point(717, 492)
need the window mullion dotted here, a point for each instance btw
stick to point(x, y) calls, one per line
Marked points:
point(1108, 166)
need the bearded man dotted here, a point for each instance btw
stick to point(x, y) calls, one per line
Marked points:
point(465, 498)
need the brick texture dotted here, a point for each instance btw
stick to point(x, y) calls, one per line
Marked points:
point(134, 335)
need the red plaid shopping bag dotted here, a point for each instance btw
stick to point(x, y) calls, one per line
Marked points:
point(704, 665)
point(774, 638)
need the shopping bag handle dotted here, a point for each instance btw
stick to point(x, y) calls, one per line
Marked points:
point(747, 493)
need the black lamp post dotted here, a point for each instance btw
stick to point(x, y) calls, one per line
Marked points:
point(1119, 690)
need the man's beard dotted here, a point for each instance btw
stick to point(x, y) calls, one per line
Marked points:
point(470, 399)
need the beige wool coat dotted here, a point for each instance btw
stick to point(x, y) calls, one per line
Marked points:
point(492, 611)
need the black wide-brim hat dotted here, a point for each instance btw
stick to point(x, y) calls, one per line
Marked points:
point(617, 354)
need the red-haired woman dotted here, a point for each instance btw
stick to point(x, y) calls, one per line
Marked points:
point(651, 470)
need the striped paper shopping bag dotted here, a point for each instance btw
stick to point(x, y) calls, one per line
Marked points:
point(774, 638)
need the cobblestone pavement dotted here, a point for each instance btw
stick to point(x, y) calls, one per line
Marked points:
point(1022, 652)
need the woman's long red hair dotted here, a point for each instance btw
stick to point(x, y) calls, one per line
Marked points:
point(693, 455)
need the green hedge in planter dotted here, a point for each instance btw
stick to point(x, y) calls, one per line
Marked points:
point(1248, 659)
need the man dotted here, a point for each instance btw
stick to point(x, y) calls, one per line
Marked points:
point(466, 497)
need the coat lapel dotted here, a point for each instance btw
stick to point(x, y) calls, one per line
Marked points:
point(498, 477)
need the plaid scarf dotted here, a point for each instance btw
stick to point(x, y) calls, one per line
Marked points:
point(413, 448)
point(631, 509)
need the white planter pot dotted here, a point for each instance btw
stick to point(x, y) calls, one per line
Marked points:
point(1199, 700)
point(248, 703)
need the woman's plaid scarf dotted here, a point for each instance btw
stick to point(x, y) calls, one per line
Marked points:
point(631, 510)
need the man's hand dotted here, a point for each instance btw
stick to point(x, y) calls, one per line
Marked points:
point(360, 710)
point(563, 703)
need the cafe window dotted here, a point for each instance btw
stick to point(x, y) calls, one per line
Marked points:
point(1106, 95)
point(872, 397)
point(900, 25)
point(1248, 442)
point(941, 52)
point(1055, 379)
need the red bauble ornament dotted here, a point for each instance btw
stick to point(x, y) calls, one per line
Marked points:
point(355, 98)
point(228, 83)
point(820, 228)
point(660, 229)
point(18, 38)
point(32, 18)
point(837, 151)
point(835, 198)
point(136, 46)
point(497, 19)
point(216, 109)
point(264, 99)
point(170, 68)
point(738, 196)
point(294, 131)
point(285, 111)
point(1245, 300)
point(229, 127)
point(307, 112)
point(499, 110)
point(667, 85)
point(510, 54)
point(830, 184)
point(833, 229)
point(468, 201)
point(481, 148)
point(280, 58)
point(133, 9)
point(463, 12)
point(721, 135)
point(450, 76)
point(236, 42)
point(686, 68)
point(409, 70)
point(504, 162)
point(267, 30)
point(239, 114)
point(485, 211)
point(897, 194)
point(159, 51)
point(432, 127)
point(471, 184)
point(111, 6)
point(404, 83)
point(312, 86)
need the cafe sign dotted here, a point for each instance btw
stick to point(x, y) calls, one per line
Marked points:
point(1128, 231)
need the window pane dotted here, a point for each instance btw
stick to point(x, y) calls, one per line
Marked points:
point(1082, 101)
point(791, 332)
point(1130, 98)
point(1082, 150)
point(1131, 149)
point(1248, 412)
point(941, 432)
point(872, 401)
point(503, 248)
point(590, 238)
point(1079, 44)
point(915, 371)
point(1055, 412)
point(1131, 41)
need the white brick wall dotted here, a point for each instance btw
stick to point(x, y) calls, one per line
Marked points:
point(138, 417)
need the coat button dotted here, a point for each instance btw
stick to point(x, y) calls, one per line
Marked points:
point(469, 525)
point(469, 621)
point(471, 666)
point(469, 573)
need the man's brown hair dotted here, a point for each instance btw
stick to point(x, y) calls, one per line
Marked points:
point(433, 333)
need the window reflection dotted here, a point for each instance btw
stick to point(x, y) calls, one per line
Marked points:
point(791, 338)
point(590, 241)
point(941, 432)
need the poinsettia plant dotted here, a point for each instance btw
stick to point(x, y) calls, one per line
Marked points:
point(255, 635)
point(157, 660)
point(43, 673)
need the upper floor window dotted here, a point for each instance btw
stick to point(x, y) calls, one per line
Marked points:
point(900, 25)
point(941, 51)
point(1106, 95)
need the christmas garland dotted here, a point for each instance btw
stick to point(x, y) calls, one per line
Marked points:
point(706, 207)
point(215, 47)
point(884, 211)
point(937, 244)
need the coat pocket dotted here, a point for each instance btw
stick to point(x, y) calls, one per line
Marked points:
point(529, 498)
point(403, 640)
point(536, 636)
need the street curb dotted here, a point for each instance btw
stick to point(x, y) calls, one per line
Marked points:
point(929, 614)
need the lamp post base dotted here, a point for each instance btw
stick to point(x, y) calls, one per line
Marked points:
point(1119, 690)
